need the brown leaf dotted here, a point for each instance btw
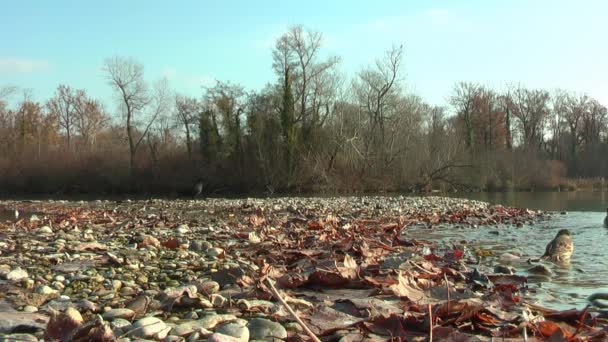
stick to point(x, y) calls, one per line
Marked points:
point(96, 331)
point(548, 329)
point(61, 325)
point(315, 225)
point(256, 220)
point(406, 287)
point(149, 241)
point(171, 243)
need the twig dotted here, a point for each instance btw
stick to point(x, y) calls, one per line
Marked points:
point(581, 320)
point(293, 314)
point(430, 324)
point(447, 286)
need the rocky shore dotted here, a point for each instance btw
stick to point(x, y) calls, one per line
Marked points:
point(250, 269)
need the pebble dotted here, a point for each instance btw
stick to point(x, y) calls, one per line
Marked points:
point(45, 230)
point(217, 337)
point(16, 274)
point(541, 270)
point(118, 313)
point(210, 321)
point(262, 329)
point(215, 252)
point(30, 308)
point(149, 327)
point(218, 300)
point(236, 330)
point(46, 290)
point(200, 245)
point(18, 338)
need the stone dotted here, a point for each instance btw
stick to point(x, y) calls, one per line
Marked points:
point(45, 230)
point(183, 329)
point(120, 325)
point(218, 300)
point(46, 290)
point(504, 269)
point(18, 338)
point(210, 321)
point(200, 245)
point(17, 274)
point(236, 330)
point(217, 337)
point(29, 308)
point(182, 229)
point(118, 313)
point(262, 329)
point(207, 287)
point(191, 315)
point(148, 327)
point(540, 270)
point(215, 252)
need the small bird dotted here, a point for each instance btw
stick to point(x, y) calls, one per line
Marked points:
point(560, 249)
point(198, 188)
point(606, 219)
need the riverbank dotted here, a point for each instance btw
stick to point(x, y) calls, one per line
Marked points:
point(197, 270)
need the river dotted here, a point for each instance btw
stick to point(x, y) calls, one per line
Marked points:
point(582, 213)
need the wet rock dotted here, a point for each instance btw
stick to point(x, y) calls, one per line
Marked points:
point(261, 329)
point(540, 270)
point(504, 269)
point(508, 257)
point(236, 330)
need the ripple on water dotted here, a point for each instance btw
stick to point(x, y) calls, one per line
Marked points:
point(570, 285)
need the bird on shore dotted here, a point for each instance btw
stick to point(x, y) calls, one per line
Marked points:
point(606, 219)
point(560, 249)
point(198, 188)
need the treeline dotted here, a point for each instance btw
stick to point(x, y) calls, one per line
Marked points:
point(314, 129)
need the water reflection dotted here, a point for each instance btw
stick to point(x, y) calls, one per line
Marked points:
point(569, 285)
point(558, 201)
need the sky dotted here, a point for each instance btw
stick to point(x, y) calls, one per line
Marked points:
point(538, 43)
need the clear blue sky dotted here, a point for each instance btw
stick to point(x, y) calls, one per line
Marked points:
point(542, 43)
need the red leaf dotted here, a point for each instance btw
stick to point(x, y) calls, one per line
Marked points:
point(171, 243)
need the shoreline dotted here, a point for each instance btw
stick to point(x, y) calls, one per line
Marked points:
point(194, 269)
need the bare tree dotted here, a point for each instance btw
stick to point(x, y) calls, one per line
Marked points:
point(186, 112)
point(91, 119)
point(463, 99)
point(126, 76)
point(530, 108)
point(63, 106)
point(298, 51)
point(377, 91)
point(6, 91)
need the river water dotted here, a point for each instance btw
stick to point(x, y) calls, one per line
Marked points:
point(582, 213)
